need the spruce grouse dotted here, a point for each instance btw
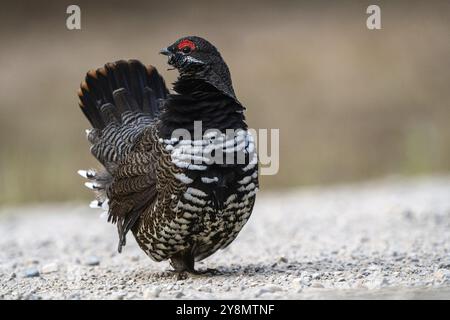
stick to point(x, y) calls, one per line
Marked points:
point(173, 191)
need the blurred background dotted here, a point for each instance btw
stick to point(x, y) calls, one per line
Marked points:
point(351, 103)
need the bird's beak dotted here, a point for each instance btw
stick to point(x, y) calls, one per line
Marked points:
point(165, 52)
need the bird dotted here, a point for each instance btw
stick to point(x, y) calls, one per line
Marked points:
point(180, 201)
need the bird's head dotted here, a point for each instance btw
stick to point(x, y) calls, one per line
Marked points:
point(197, 58)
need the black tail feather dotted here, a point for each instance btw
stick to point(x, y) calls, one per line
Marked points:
point(150, 102)
point(118, 87)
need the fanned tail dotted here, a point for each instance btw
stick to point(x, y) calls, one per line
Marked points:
point(120, 100)
point(108, 92)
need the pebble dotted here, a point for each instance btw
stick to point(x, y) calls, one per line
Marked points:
point(376, 283)
point(205, 289)
point(297, 282)
point(135, 257)
point(31, 272)
point(442, 275)
point(151, 293)
point(316, 284)
point(49, 268)
point(92, 261)
point(306, 280)
point(268, 289)
point(260, 292)
point(118, 295)
point(316, 276)
point(75, 296)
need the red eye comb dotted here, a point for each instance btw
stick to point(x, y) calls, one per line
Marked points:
point(186, 43)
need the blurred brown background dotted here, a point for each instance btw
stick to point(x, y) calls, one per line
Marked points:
point(351, 103)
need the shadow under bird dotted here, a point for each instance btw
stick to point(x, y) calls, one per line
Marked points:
point(177, 200)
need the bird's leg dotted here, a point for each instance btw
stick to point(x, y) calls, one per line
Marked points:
point(183, 264)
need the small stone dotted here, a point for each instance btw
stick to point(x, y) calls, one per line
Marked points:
point(297, 282)
point(306, 280)
point(261, 292)
point(92, 261)
point(442, 275)
point(316, 276)
point(49, 268)
point(316, 284)
point(32, 261)
point(376, 283)
point(151, 293)
point(135, 257)
point(283, 260)
point(179, 294)
point(268, 289)
point(176, 287)
point(365, 239)
point(34, 297)
point(205, 289)
point(74, 296)
point(31, 272)
point(118, 295)
point(408, 215)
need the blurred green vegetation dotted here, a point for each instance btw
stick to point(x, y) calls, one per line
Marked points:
point(350, 103)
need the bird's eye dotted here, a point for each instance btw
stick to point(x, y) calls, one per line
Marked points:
point(186, 49)
point(186, 46)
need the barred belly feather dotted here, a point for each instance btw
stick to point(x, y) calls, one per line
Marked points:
point(193, 220)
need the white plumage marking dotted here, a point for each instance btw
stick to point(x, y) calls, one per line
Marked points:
point(245, 180)
point(193, 199)
point(209, 180)
point(249, 187)
point(91, 185)
point(252, 163)
point(183, 178)
point(196, 192)
point(196, 154)
point(88, 174)
point(95, 204)
point(187, 206)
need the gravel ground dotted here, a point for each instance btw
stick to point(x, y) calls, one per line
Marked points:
point(384, 239)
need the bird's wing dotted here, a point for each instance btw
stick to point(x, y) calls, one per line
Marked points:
point(122, 102)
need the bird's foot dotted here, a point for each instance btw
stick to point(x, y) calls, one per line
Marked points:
point(210, 272)
point(185, 274)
